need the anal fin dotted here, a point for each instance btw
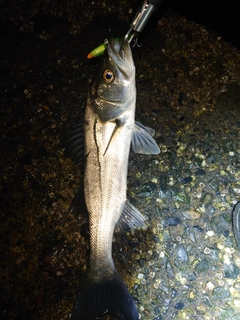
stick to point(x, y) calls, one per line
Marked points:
point(131, 217)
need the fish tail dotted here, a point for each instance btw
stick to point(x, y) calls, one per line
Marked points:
point(105, 296)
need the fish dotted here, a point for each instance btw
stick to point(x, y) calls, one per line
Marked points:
point(109, 129)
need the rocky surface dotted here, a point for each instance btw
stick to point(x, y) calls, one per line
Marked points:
point(186, 264)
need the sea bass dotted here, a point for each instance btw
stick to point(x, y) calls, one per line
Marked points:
point(109, 128)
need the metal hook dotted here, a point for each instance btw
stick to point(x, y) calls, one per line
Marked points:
point(136, 44)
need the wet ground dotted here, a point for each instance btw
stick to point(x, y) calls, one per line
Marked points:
point(186, 264)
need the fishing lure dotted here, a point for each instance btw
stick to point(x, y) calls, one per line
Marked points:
point(98, 51)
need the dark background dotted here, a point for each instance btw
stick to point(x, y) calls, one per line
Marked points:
point(220, 16)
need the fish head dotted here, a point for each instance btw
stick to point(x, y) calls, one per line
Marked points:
point(113, 91)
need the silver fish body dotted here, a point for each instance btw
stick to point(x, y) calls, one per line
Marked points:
point(109, 128)
point(108, 131)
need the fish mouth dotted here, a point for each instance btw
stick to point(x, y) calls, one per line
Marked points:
point(114, 102)
point(117, 101)
point(121, 55)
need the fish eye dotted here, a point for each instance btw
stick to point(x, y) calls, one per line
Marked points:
point(108, 76)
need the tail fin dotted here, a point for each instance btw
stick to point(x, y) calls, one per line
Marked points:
point(106, 296)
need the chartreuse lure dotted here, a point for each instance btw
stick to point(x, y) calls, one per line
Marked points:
point(98, 51)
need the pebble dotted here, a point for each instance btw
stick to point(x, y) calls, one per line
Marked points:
point(202, 266)
point(206, 200)
point(207, 250)
point(182, 255)
point(192, 237)
point(221, 223)
point(221, 293)
point(200, 172)
point(192, 277)
point(174, 293)
point(207, 301)
point(181, 196)
point(201, 309)
point(187, 180)
point(214, 184)
point(237, 286)
point(225, 233)
point(198, 228)
point(163, 182)
point(179, 306)
point(169, 269)
point(211, 158)
point(231, 271)
point(191, 214)
point(147, 189)
point(171, 221)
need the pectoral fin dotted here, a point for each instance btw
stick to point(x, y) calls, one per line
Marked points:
point(131, 217)
point(142, 142)
point(117, 124)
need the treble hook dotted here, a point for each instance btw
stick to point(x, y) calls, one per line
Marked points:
point(136, 44)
